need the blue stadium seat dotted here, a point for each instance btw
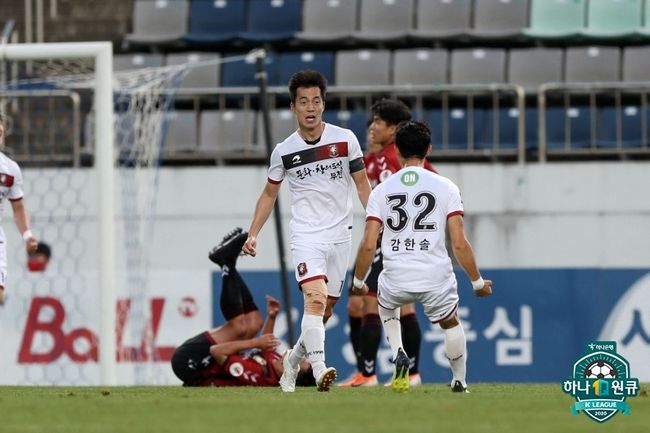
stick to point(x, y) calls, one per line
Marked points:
point(456, 134)
point(631, 130)
point(355, 120)
point(241, 73)
point(216, 21)
point(321, 61)
point(507, 138)
point(575, 118)
point(272, 20)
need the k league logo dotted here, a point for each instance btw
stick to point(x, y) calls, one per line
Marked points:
point(601, 382)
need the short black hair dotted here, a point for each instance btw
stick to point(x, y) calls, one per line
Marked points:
point(43, 248)
point(413, 138)
point(391, 111)
point(307, 78)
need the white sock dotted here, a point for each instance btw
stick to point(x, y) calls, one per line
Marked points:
point(313, 341)
point(297, 352)
point(392, 328)
point(456, 347)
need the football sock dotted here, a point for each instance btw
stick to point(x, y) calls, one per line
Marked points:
point(392, 328)
point(248, 303)
point(412, 338)
point(456, 347)
point(355, 339)
point(370, 341)
point(313, 340)
point(231, 293)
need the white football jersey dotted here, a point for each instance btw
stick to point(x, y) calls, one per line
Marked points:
point(320, 182)
point(11, 181)
point(413, 206)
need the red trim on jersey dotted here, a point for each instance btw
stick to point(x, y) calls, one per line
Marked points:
point(448, 315)
point(458, 212)
point(210, 337)
point(332, 297)
point(315, 277)
point(274, 182)
point(374, 218)
point(371, 294)
point(15, 199)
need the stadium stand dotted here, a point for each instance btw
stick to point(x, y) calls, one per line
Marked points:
point(439, 19)
point(283, 124)
point(289, 63)
point(419, 66)
point(478, 66)
point(127, 62)
point(215, 21)
point(382, 20)
point(422, 51)
point(158, 22)
point(328, 20)
point(613, 18)
point(181, 133)
point(558, 19)
point(228, 133)
point(532, 67)
point(272, 20)
point(592, 64)
point(197, 76)
point(363, 67)
point(498, 19)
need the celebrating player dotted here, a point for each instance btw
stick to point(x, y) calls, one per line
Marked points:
point(11, 187)
point(386, 115)
point(232, 355)
point(415, 207)
point(321, 162)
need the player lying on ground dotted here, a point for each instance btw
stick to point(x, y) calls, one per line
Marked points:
point(232, 355)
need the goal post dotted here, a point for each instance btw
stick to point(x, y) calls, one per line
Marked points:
point(102, 54)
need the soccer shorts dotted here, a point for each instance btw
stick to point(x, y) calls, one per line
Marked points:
point(322, 261)
point(438, 304)
point(192, 361)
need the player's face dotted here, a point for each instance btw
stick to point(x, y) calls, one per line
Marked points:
point(308, 108)
point(381, 132)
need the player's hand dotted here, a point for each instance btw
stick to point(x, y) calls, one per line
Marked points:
point(250, 246)
point(486, 290)
point(267, 342)
point(360, 292)
point(272, 306)
point(30, 245)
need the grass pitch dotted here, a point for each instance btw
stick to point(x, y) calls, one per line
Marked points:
point(431, 408)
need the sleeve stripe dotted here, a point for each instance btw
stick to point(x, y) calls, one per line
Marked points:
point(374, 218)
point(274, 182)
point(458, 212)
point(15, 199)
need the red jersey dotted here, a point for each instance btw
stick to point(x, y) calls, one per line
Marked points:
point(384, 163)
point(251, 369)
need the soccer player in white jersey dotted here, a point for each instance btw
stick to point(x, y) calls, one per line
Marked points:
point(415, 207)
point(11, 188)
point(321, 162)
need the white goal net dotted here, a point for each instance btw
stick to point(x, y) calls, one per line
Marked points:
point(94, 315)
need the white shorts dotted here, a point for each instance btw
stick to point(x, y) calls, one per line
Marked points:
point(438, 305)
point(322, 261)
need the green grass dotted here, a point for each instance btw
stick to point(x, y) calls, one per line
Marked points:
point(490, 408)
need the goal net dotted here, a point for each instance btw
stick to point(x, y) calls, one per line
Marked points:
point(90, 166)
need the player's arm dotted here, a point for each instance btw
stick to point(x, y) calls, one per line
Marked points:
point(363, 186)
point(22, 223)
point(220, 352)
point(365, 255)
point(465, 255)
point(263, 209)
point(272, 310)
